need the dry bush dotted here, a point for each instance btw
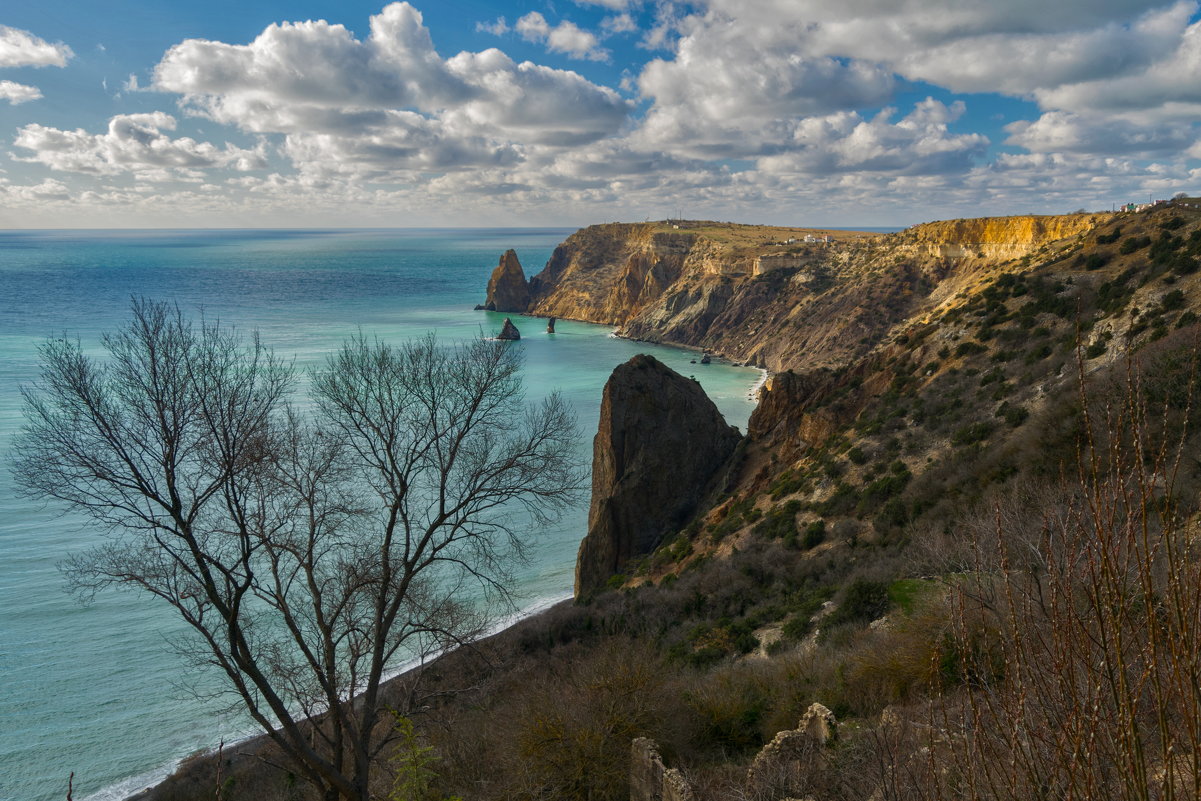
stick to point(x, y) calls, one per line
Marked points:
point(1097, 617)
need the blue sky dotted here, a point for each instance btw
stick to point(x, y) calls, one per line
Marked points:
point(132, 113)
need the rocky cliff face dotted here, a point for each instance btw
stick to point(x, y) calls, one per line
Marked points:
point(993, 238)
point(780, 298)
point(654, 423)
point(508, 290)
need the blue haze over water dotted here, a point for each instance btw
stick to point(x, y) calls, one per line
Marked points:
point(96, 689)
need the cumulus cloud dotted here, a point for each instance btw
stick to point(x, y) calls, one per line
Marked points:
point(619, 23)
point(387, 104)
point(133, 143)
point(733, 89)
point(1069, 132)
point(497, 27)
point(1167, 87)
point(616, 5)
point(20, 48)
point(47, 190)
point(917, 144)
point(754, 105)
point(17, 93)
point(1069, 55)
point(566, 37)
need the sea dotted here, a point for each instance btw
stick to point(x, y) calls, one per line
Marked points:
point(94, 689)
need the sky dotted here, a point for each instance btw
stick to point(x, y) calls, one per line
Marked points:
point(308, 113)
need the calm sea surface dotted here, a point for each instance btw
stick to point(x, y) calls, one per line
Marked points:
point(95, 689)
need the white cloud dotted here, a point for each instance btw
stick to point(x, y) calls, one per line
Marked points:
point(532, 103)
point(732, 90)
point(1168, 87)
point(1069, 132)
point(750, 109)
point(133, 143)
point(17, 93)
point(616, 5)
point(20, 48)
point(497, 27)
point(566, 37)
point(619, 23)
point(387, 104)
point(917, 144)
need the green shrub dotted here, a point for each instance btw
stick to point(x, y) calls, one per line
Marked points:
point(880, 490)
point(863, 602)
point(972, 433)
point(1039, 352)
point(841, 503)
point(968, 348)
point(1172, 300)
point(814, 534)
point(1013, 414)
point(1134, 243)
point(780, 522)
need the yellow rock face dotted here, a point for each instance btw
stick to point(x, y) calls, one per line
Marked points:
point(996, 237)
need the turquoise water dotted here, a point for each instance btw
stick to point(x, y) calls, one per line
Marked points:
point(95, 689)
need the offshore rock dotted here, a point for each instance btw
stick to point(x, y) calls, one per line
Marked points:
point(508, 290)
point(508, 331)
point(660, 445)
point(550, 326)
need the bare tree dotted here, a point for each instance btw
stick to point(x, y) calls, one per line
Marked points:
point(308, 550)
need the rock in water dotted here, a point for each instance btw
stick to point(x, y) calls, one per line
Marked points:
point(508, 290)
point(705, 359)
point(660, 444)
point(508, 331)
point(550, 326)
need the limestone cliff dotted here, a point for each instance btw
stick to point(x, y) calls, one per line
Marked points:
point(781, 298)
point(654, 423)
point(508, 290)
point(993, 238)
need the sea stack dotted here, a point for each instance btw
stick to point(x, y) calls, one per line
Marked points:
point(550, 326)
point(508, 290)
point(508, 331)
point(660, 445)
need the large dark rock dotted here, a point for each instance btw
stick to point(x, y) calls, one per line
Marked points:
point(508, 331)
point(660, 445)
point(508, 290)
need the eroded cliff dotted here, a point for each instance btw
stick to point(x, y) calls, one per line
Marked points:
point(781, 298)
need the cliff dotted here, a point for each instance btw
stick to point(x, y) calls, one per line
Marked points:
point(780, 298)
point(653, 423)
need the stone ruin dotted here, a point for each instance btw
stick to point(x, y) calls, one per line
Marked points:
point(650, 780)
point(780, 763)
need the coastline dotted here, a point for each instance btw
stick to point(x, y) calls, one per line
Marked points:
point(142, 786)
point(751, 395)
point(757, 387)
